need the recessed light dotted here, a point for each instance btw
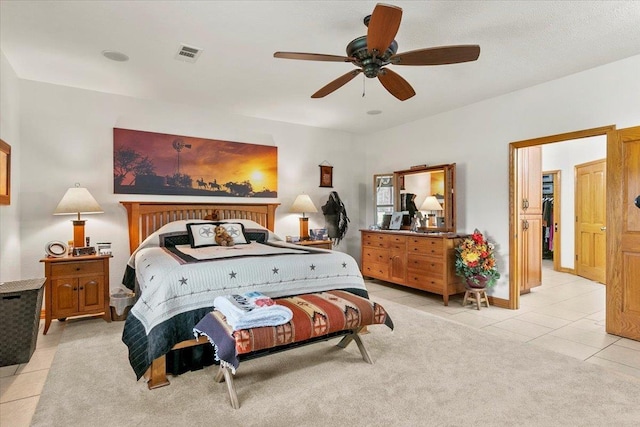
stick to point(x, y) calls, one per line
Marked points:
point(374, 112)
point(115, 56)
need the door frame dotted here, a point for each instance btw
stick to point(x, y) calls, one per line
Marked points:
point(514, 258)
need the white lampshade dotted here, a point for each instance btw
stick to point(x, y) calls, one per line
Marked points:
point(77, 200)
point(431, 204)
point(303, 204)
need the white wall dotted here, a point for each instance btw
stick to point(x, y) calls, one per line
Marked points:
point(476, 137)
point(10, 133)
point(563, 157)
point(67, 137)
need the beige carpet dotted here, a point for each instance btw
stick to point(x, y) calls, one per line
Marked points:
point(428, 372)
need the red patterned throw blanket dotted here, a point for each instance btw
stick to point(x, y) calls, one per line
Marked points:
point(315, 316)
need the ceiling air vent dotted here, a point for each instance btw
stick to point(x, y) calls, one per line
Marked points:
point(188, 53)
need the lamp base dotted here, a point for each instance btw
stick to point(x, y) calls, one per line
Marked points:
point(78, 233)
point(304, 228)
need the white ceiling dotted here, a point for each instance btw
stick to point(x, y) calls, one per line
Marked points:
point(523, 43)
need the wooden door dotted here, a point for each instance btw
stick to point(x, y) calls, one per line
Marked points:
point(530, 217)
point(591, 244)
point(397, 265)
point(65, 297)
point(531, 239)
point(91, 296)
point(530, 180)
point(623, 233)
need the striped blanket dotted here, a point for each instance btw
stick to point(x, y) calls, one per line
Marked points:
point(314, 315)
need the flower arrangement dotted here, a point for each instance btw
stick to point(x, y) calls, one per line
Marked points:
point(475, 261)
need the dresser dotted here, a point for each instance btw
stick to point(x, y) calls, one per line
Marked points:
point(76, 286)
point(416, 260)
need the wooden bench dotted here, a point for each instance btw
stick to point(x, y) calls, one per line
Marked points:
point(316, 317)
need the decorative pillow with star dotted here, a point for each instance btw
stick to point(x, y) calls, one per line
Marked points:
point(202, 234)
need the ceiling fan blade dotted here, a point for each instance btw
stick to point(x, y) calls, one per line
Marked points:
point(438, 55)
point(312, 57)
point(383, 27)
point(337, 83)
point(395, 84)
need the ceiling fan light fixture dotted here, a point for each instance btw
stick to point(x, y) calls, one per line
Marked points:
point(373, 52)
point(115, 55)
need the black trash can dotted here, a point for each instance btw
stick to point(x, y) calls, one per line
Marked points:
point(20, 305)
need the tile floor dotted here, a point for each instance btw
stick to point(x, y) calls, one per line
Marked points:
point(566, 315)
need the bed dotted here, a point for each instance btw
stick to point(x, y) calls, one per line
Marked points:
point(177, 275)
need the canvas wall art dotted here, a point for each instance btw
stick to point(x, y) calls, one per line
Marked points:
point(157, 163)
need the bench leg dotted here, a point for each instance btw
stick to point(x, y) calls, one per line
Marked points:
point(344, 342)
point(156, 375)
point(226, 375)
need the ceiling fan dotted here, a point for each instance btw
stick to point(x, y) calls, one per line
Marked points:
point(373, 52)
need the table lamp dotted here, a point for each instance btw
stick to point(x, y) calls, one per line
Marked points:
point(303, 204)
point(431, 205)
point(75, 201)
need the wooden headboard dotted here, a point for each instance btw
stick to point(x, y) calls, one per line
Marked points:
point(146, 217)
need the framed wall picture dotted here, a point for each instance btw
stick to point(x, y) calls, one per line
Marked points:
point(326, 176)
point(396, 221)
point(166, 164)
point(5, 173)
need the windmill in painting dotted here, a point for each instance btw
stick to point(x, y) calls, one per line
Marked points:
point(156, 163)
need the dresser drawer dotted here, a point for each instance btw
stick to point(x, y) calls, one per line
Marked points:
point(426, 282)
point(375, 240)
point(375, 255)
point(377, 270)
point(380, 240)
point(430, 265)
point(76, 268)
point(426, 245)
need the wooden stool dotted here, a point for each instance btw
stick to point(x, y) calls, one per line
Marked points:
point(479, 294)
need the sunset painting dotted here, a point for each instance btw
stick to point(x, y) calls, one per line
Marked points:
point(157, 163)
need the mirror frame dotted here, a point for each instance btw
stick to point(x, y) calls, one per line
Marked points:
point(375, 195)
point(449, 212)
point(5, 173)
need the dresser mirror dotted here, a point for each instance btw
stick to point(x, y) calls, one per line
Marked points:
point(428, 193)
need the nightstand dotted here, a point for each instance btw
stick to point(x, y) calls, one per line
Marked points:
point(322, 244)
point(76, 286)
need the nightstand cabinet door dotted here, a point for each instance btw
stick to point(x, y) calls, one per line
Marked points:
point(64, 293)
point(91, 293)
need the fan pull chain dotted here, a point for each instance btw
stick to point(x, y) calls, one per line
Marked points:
point(363, 82)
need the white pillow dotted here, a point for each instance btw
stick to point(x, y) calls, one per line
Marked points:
point(203, 234)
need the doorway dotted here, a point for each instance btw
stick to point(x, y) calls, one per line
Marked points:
point(566, 258)
point(551, 219)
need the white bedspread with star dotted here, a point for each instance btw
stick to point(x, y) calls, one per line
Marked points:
point(167, 285)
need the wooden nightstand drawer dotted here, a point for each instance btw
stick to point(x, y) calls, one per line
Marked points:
point(76, 268)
